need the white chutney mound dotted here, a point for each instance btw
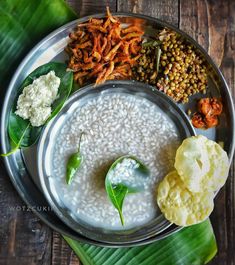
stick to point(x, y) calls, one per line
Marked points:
point(36, 99)
point(115, 124)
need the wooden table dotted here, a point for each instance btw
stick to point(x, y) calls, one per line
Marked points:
point(24, 239)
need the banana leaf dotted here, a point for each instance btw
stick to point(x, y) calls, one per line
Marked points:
point(192, 245)
point(22, 25)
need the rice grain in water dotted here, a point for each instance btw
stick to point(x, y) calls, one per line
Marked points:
point(115, 124)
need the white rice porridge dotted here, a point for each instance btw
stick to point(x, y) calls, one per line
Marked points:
point(114, 124)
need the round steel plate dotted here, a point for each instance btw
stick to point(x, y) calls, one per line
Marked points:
point(22, 167)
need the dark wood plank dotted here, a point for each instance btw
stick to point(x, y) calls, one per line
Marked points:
point(193, 22)
point(212, 24)
point(225, 210)
point(163, 9)
point(61, 252)
point(206, 21)
point(24, 239)
point(89, 7)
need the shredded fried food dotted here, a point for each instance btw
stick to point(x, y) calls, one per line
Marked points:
point(102, 50)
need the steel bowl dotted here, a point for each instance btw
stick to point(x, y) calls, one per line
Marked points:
point(45, 153)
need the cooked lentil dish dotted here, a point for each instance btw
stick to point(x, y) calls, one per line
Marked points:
point(184, 71)
point(181, 72)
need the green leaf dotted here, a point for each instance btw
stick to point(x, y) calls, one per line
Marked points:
point(22, 25)
point(194, 245)
point(151, 43)
point(16, 146)
point(116, 195)
point(75, 88)
point(18, 127)
point(118, 191)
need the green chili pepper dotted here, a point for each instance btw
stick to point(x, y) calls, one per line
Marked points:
point(74, 163)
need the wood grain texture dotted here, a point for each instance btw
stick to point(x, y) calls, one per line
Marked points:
point(227, 208)
point(162, 9)
point(89, 7)
point(195, 22)
point(207, 22)
point(24, 239)
point(61, 252)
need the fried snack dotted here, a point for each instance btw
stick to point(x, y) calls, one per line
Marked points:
point(210, 106)
point(101, 49)
point(202, 164)
point(181, 206)
point(198, 121)
point(208, 111)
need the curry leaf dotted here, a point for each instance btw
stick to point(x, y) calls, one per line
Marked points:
point(117, 194)
point(151, 43)
point(118, 191)
point(17, 146)
point(18, 127)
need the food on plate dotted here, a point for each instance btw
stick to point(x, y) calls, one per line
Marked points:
point(181, 206)
point(208, 111)
point(210, 106)
point(40, 97)
point(115, 124)
point(185, 196)
point(74, 162)
point(200, 121)
point(129, 171)
point(36, 99)
point(211, 121)
point(148, 64)
point(101, 49)
point(183, 69)
point(202, 164)
point(126, 175)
